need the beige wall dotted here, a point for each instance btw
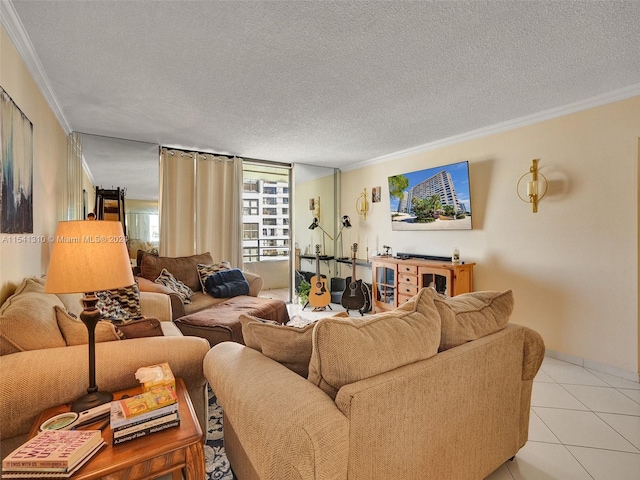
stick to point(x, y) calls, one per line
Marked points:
point(49, 172)
point(573, 266)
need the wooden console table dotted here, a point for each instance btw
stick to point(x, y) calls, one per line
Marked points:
point(176, 450)
point(396, 280)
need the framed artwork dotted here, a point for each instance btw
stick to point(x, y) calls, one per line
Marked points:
point(375, 194)
point(16, 168)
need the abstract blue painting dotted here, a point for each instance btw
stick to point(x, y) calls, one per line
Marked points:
point(16, 168)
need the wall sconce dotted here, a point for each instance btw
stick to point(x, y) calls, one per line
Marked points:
point(362, 205)
point(533, 186)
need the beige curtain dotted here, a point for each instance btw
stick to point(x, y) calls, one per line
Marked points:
point(201, 205)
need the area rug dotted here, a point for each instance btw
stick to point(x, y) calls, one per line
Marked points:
point(216, 464)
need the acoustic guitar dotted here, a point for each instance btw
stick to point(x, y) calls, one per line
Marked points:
point(353, 297)
point(319, 296)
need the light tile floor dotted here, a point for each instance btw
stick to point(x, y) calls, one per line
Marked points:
point(584, 424)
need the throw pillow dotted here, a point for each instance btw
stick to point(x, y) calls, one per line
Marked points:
point(226, 284)
point(168, 280)
point(120, 304)
point(75, 332)
point(205, 270)
point(288, 345)
point(142, 327)
point(348, 350)
point(28, 319)
point(473, 315)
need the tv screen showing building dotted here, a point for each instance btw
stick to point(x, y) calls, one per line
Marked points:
point(432, 199)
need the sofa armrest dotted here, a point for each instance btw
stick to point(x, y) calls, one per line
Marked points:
point(36, 380)
point(156, 305)
point(289, 427)
point(255, 283)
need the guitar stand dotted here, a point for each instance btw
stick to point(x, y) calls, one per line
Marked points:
point(361, 313)
point(321, 309)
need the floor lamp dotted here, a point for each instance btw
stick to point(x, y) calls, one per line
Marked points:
point(87, 257)
point(346, 223)
point(316, 224)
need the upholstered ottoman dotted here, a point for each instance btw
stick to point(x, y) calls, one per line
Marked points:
point(221, 323)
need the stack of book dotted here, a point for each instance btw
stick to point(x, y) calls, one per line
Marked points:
point(52, 453)
point(144, 414)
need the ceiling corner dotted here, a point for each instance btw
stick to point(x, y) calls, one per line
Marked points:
point(17, 34)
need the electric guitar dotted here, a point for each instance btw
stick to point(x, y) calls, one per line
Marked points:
point(353, 297)
point(319, 296)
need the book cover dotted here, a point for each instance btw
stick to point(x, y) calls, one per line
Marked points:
point(155, 398)
point(146, 431)
point(143, 425)
point(118, 420)
point(53, 449)
point(51, 472)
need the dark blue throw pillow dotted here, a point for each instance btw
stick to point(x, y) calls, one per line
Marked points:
point(227, 283)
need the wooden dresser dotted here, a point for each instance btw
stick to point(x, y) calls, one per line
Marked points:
point(396, 280)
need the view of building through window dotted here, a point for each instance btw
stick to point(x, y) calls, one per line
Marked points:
point(265, 213)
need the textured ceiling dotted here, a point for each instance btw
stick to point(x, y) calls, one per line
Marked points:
point(325, 83)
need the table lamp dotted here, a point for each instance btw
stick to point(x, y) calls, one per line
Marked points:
point(89, 256)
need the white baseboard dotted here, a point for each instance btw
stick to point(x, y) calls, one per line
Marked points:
point(597, 366)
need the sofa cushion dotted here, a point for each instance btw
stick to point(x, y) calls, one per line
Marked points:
point(167, 279)
point(183, 268)
point(288, 345)
point(205, 270)
point(227, 284)
point(72, 302)
point(75, 332)
point(473, 315)
point(348, 350)
point(28, 319)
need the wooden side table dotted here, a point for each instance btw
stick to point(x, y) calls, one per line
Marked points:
point(176, 450)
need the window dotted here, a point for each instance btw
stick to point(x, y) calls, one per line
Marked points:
point(250, 185)
point(269, 221)
point(250, 254)
point(250, 231)
point(250, 207)
point(269, 201)
point(269, 211)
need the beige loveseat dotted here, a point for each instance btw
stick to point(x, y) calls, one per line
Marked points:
point(39, 371)
point(436, 389)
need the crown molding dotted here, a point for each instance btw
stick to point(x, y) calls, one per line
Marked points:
point(15, 30)
point(603, 99)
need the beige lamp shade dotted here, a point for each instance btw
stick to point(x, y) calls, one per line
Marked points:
point(88, 256)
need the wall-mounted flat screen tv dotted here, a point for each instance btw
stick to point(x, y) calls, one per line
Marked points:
point(432, 199)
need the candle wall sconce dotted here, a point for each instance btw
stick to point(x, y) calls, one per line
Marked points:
point(536, 188)
point(362, 205)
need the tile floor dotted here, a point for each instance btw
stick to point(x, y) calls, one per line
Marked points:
point(585, 425)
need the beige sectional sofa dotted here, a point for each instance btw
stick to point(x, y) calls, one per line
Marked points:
point(39, 371)
point(436, 389)
point(184, 269)
point(205, 316)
